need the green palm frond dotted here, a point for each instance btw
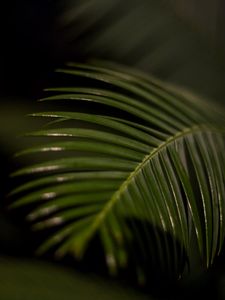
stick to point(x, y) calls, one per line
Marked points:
point(144, 171)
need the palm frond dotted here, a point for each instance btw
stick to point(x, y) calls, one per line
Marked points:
point(164, 38)
point(144, 176)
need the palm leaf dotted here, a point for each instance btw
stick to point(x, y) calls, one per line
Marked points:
point(144, 176)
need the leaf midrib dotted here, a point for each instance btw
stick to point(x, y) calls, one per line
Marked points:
point(116, 196)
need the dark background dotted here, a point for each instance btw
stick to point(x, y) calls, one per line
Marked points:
point(178, 41)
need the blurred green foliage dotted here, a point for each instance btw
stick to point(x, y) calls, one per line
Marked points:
point(22, 279)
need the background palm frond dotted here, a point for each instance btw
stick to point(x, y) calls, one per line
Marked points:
point(158, 36)
point(143, 171)
point(170, 39)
